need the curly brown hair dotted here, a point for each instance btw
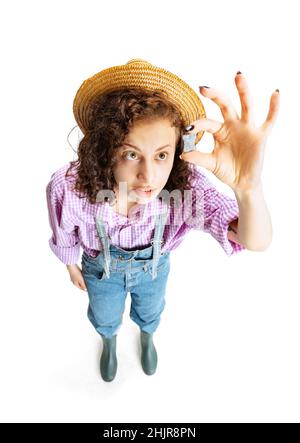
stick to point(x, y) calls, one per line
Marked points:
point(112, 115)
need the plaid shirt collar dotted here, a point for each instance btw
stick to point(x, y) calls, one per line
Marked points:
point(139, 212)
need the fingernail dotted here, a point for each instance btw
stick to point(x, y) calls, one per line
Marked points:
point(277, 90)
point(204, 87)
point(239, 72)
point(189, 128)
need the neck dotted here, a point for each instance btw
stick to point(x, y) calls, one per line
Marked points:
point(124, 208)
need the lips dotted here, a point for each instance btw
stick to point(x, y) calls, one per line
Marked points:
point(146, 189)
point(144, 192)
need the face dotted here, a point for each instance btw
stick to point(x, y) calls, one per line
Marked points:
point(144, 161)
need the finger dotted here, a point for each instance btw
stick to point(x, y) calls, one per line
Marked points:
point(273, 112)
point(79, 285)
point(233, 237)
point(226, 106)
point(245, 98)
point(208, 161)
point(205, 124)
point(82, 286)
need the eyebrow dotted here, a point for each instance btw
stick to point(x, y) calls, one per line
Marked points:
point(135, 147)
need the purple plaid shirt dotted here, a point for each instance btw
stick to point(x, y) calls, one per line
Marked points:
point(72, 219)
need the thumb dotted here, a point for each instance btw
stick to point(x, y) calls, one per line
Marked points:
point(208, 161)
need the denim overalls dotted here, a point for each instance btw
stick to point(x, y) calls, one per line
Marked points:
point(115, 271)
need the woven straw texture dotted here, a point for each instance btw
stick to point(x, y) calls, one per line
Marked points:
point(138, 73)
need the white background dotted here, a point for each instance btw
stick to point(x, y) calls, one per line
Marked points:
point(228, 343)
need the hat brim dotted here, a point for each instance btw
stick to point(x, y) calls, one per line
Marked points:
point(143, 75)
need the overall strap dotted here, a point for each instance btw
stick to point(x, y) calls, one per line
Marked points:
point(160, 221)
point(105, 244)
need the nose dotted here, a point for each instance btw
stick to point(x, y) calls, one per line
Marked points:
point(146, 172)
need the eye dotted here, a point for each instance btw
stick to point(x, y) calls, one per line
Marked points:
point(125, 155)
point(163, 153)
point(131, 155)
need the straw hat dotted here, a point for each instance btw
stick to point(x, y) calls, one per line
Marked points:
point(138, 73)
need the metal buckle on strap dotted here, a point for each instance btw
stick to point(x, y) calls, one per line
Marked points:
point(160, 241)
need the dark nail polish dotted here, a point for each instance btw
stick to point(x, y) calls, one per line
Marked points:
point(239, 72)
point(189, 128)
point(204, 87)
point(277, 90)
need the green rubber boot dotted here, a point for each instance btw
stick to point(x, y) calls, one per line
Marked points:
point(149, 354)
point(108, 360)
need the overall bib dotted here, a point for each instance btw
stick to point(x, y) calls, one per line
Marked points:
point(116, 271)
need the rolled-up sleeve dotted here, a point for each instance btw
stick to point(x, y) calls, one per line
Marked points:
point(63, 242)
point(218, 211)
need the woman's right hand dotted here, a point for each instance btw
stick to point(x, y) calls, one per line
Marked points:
point(76, 276)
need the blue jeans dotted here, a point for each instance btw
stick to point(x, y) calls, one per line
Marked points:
point(129, 271)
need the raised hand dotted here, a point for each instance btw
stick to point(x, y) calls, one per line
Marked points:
point(237, 158)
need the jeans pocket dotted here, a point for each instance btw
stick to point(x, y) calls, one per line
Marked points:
point(140, 261)
point(89, 258)
point(163, 266)
point(93, 269)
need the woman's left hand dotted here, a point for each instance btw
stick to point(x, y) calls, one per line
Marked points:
point(237, 158)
